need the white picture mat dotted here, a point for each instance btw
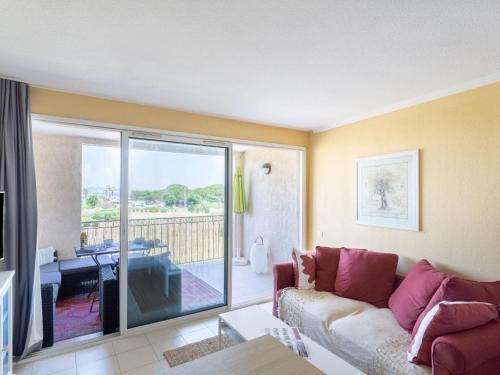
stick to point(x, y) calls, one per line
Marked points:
point(407, 217)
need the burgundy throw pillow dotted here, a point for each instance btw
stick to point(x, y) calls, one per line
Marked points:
point(327, 262)
point(414, 293)
point(457, 289)
point(366, 276)
point(445, 318)
point(304, 269)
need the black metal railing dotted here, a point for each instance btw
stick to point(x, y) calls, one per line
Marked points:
point(189, 239)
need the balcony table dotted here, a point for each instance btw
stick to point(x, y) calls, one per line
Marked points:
point(94, 251)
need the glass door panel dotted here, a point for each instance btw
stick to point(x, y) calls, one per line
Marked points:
point(177, 225)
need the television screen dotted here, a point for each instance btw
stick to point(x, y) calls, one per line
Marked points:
point(2, 214)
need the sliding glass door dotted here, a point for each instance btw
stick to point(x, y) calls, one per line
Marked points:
point(177, 229)
point(140, 225)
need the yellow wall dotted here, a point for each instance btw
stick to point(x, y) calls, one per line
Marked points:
point(459, 139)
point(56, 103)
point(62, 104)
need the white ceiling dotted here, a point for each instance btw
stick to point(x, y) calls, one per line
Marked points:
point(302, 64)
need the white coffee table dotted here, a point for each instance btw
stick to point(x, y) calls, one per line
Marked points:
point(249, 323)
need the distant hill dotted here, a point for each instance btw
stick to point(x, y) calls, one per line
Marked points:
point(199, 199)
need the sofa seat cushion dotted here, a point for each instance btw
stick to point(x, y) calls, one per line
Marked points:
point(50, 267)
point(313, 312)
point(78, 265)
point(50, 278)
point(363, 335)
point(374, 342)
point(298, 307)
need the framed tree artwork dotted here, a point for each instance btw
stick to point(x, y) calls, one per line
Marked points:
point(387, 190)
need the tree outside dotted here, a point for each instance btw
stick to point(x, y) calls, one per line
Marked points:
point(174, 200)
point(91, 201)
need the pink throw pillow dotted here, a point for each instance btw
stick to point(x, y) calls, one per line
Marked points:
point(414, 293)
point(304, 269)
point(366, 276)
point(327, 263)
point(445, 318)
point(457, 289)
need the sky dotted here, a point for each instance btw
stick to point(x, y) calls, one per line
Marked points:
point(150, 170)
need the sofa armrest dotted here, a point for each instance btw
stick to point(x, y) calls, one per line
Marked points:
point(475, 351)
point(48, 312)
point(108, 300)
point(283, 277)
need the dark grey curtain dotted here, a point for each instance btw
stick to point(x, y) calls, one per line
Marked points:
point(17, 179)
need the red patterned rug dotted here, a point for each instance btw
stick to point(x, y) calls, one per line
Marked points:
point(197, 294)
point(74, 319)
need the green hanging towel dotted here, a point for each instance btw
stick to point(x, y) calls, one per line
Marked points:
point(239, 202)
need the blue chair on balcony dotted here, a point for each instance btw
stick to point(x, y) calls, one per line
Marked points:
point(155, 283)
point(166, 268)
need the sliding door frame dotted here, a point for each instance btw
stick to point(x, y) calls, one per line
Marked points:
point(181, 137)
point(126, 136)
point(123, 273)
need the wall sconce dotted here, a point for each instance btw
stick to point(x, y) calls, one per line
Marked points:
point(267, 168)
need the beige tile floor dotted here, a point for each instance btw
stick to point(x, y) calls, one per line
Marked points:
point(138, 354)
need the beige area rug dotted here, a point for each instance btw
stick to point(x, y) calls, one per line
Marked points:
point(196, 350)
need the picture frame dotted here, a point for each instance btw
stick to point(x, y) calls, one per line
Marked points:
point(387, 190)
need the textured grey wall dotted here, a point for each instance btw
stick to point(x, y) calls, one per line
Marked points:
point(58, 165)
point(273, 205)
